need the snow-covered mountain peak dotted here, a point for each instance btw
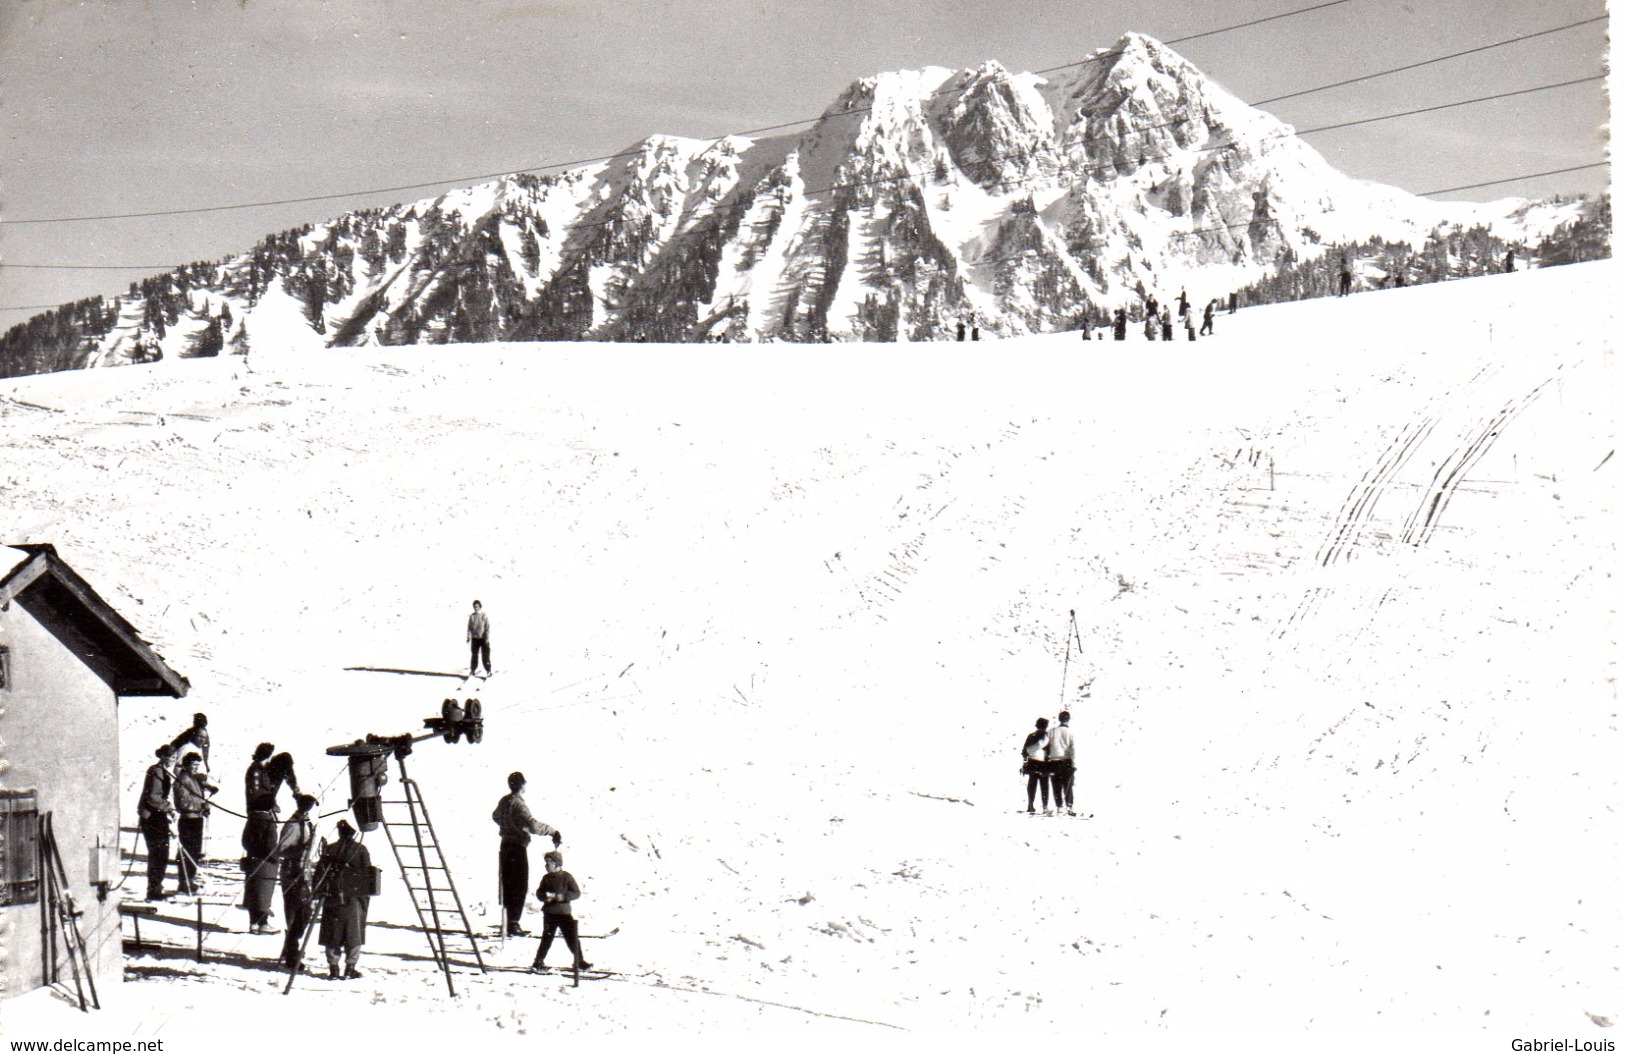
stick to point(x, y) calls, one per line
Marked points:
point(919, 198)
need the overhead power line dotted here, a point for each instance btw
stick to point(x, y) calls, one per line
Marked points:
point(703, 210)
point(602, 157)
point(1430, 62)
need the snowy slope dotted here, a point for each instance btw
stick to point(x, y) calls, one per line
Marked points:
point(767, 645)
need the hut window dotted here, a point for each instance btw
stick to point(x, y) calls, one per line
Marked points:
point(19, 847)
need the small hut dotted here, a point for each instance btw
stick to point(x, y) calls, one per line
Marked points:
point(65, 659)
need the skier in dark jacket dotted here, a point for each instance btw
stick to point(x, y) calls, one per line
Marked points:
point(1120, 325)
point(515, 825)
point(1035, 763)
point(1207, 318)
point(344, 875)
point(296, 854)
point(196, 736)
point(556, 890)
point(264, 778)
point(154, 811)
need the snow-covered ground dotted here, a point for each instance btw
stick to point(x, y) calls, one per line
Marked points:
point(769, 626)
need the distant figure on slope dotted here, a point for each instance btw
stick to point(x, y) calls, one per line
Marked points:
point(1190, 325)
point(192, 792)
point(1151, 305)
point(1061, 754)
point(154, 811)
point(556, 890)
point(1345, 281)
point(1034, 751)
point(1207, 318)
point(1232, 303)
point(1120, 324)
point(345, 877)
point(1511, 256)
point(296, 852)
point(479, 640)
point(1151, 327)
point(196, 736)
point(975, 332)
point(1167, 324)
point(515, 824)
point(1399, 280)
point(1184, 304)
point(961, 330)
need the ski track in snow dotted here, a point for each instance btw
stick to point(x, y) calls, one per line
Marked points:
point(766, 649)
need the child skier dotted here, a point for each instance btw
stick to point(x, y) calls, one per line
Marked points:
point(557, 889)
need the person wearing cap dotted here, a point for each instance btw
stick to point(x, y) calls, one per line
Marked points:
point(295, 849)
point(260, 785)
point(1034, 750)
point(479, 640)
point(192, 791)
point(344, 877)
point(154, 810)
point(515, 824)
point(557, 889)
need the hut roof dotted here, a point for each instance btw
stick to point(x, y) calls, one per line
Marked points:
point(55, 595)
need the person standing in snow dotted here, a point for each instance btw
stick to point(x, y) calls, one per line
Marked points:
point(154, 811)
point(345, 877)
point(196, 736)
point(1207, 318)
point(1034, 750)
point(961, 331)
point(1232, 303)
point(1167, 325)
point(556, 890)
point(192, 792)
point(516, 825)
point(1511, 257)
point(264, 778)
point(1345, 281)
point(479, 640)
point(1120, 325)
point(1184, 304)
point(1061, 753)
point(295, 851)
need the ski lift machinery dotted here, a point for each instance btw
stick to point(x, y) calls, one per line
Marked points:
point(407, 827)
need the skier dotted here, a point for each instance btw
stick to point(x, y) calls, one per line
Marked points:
point(1190, 325)
point(1232, 303)
point(479, 640)
point(295, 851)
point(264, 778)
point(1061, 753)
point(196, 736)
point(1345, 281)
point(192, 792)
point(556, 890)
point(1184, 304)
point(1167, 325)
point(961, 331)
point(1207, 318)
point(345, 876)
point(154, 811)
point(1511, 256)
point(1120, 325)
point(516, 825)
point(1033, 765)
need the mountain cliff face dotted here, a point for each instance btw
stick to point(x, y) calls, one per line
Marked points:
point(918, 200)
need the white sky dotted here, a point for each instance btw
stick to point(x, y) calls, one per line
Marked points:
point(124, 107)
